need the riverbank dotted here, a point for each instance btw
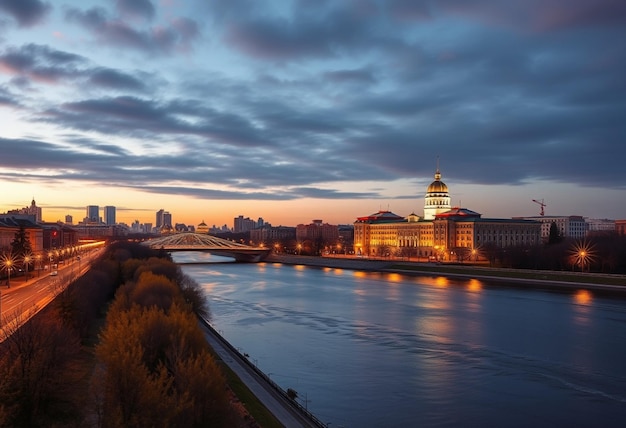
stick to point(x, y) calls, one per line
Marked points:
point(533, 278)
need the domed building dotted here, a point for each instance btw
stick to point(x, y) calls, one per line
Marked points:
point(202, 228)
point(437, 198)
point(445, 232)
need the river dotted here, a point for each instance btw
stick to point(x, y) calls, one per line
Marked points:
point(369, 349)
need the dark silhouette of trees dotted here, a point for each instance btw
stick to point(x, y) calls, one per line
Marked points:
point(40, 373)
point(554, 236)
point(153, 363)
point(20, 246)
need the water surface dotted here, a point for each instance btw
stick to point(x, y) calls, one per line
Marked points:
point(386, 350)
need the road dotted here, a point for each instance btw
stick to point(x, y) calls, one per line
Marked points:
point(26, 297)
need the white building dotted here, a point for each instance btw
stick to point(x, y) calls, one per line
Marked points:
point(437, 198)
point(572, 226)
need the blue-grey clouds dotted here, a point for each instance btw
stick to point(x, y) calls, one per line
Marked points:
point(286, 99)
point(25, 12)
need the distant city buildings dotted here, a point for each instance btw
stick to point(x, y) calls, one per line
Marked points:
point(163, 222)
point(272, 235)
point(242, 224)
point(323, 234)
point(202, 228)
point(573, 226)
point(92, 214)
point(32, 210)
point(443, 231)
point(109, 215)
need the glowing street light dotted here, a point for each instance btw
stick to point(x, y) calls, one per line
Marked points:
point(583, 254)
point(38, 257)
point(8, 262)
point(27, 259)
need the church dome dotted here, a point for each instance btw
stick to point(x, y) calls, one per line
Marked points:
point(437, 186)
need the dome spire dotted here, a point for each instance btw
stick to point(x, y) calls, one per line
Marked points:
point(437, 198)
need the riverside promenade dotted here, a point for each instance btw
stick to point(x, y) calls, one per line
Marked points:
point(530, 278)
point(274, 398)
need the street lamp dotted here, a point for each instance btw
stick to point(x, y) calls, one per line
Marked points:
point(582, 256)
point(38, 257)
point(27, 260)
point(8, 265)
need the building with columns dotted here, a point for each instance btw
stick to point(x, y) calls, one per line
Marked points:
point(443, 233)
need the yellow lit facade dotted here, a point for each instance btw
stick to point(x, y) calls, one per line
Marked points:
point(452, 233)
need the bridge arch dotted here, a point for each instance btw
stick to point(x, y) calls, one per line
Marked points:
point(188, 241)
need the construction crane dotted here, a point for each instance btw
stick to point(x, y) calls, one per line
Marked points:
point(540, 203)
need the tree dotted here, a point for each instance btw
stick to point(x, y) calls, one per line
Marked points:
point(555, 234)
point(20, 246)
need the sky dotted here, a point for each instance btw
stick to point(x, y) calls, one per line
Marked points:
point(294, 110)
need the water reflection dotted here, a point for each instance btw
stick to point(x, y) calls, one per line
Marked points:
point(582, 308)
point(474, 285)
point(374, 349)
point(583, 297)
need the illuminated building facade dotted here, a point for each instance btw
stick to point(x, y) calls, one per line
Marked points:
point(451, 233)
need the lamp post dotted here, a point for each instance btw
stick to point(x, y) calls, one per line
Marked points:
point(27, 260)
point(8, 264)
point(582, 256)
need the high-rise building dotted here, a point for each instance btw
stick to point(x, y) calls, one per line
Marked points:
point(159, 218)
point(167, 219)
point(93, 214)
point(243, 224)
point(163, 218)
point(109, 215)
point(69, 219)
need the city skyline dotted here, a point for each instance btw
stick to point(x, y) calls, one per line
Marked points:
point(297, 110)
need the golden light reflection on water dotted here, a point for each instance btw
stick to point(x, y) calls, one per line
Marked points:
point(583, 297)
point(442, 281)
point(299, 267)
point(360, 274)
point(327, 269)
point(394, 277)
point(582, 308)
point(338, 271)
point(474, 285)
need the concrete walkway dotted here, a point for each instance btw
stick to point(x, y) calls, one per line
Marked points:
point(280, 406)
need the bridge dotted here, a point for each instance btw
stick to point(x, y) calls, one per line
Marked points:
point(188, 241)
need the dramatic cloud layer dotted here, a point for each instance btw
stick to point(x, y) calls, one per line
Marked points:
point(289, 99)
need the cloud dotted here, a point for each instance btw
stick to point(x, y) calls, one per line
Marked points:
point(42, 64)
point(177, 36)
point(136, 8)
point(26, 12)
point(39, 62)
point(540, 15)
point(107, 77)
point(7, 99)
point(294, 99)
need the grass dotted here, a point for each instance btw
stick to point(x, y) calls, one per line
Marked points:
point(531, 275)
point(257, 410)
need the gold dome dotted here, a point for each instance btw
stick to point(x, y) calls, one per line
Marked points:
point(437, 186)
